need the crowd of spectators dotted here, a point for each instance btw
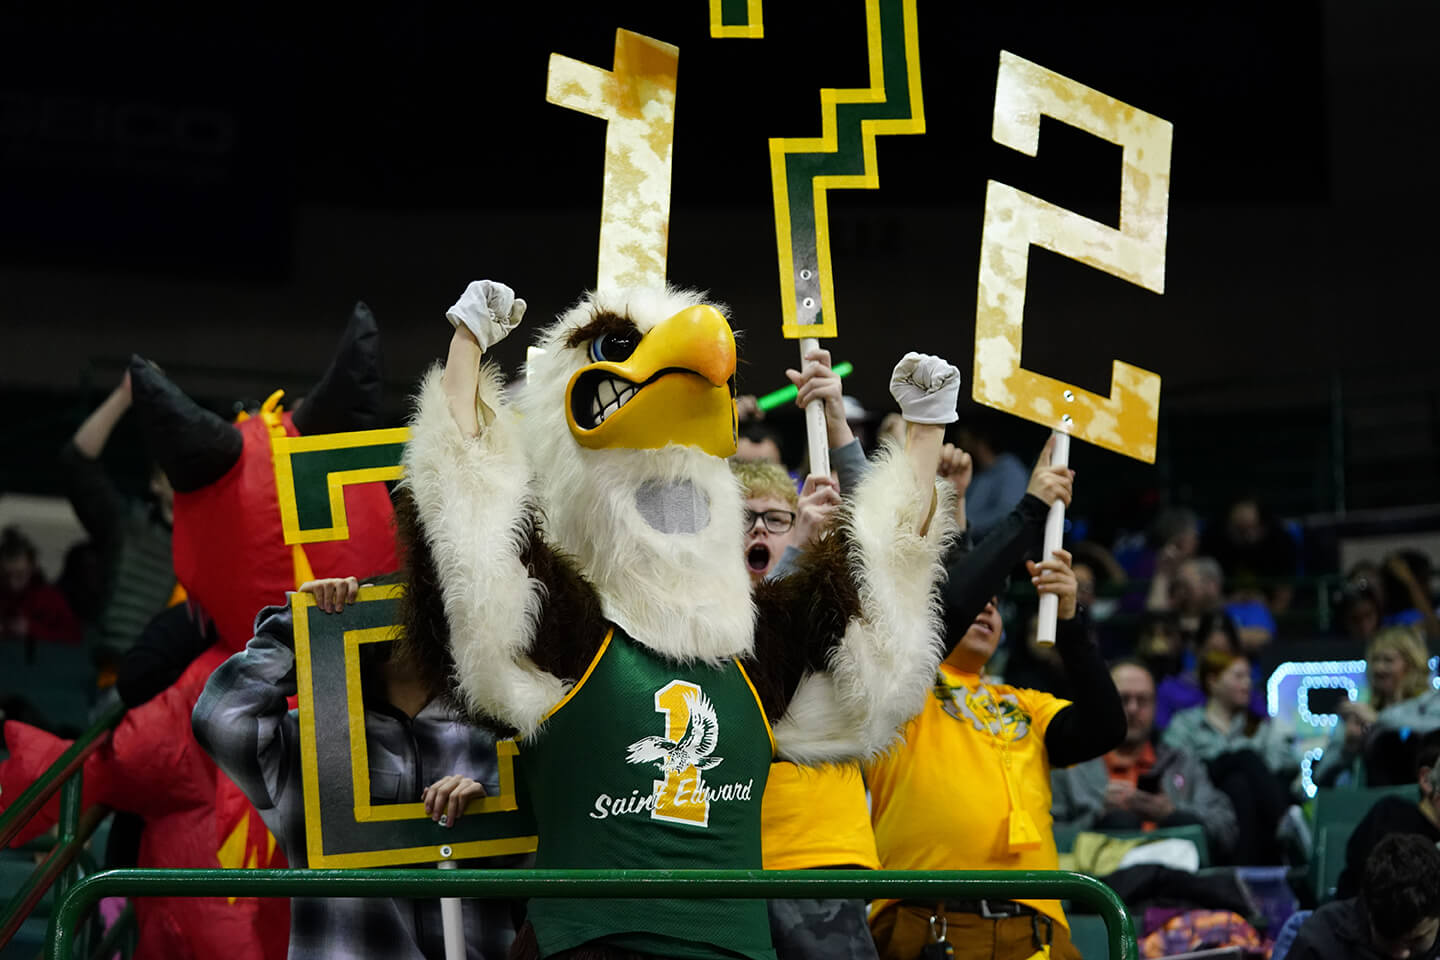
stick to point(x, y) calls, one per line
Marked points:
point(1177, 635)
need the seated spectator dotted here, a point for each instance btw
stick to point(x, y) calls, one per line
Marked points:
point(31, 610)
point(1397, 668)
point(1407, 592)
point(1192, 590)
point(1361, 602)
point(1253, 551)
point(1248, 757)
point(969, 787)
point(1396, 814)
point(1000, 478)
point(1160, 645)
point(1100, 577)
point(1138, 786)
point(1172, 538)
point(418, 752)
point(1215, 633)
point(1400, 722)
point(1396, 915)
point(758, 440)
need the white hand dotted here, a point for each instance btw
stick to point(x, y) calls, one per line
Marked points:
point(927, 389)
point(489, 310)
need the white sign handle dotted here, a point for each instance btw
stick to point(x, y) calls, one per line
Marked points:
point(1054, 538)
point(816, 433)
point(452, 920)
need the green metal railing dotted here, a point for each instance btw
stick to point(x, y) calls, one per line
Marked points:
point(587, 884)
point(57, 869)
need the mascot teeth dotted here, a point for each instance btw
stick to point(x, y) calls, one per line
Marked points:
point(610, 395)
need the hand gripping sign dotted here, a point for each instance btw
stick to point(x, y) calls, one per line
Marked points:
point(1127, 420)
point(342, 827)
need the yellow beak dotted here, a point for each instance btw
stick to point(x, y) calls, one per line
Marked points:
point(675, 388)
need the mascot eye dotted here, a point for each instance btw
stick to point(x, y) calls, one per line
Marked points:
point(614, 347)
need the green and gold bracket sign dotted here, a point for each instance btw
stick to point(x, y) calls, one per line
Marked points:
point(342, 827)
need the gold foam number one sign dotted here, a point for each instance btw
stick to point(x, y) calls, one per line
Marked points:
point(637, 100)
point(1126, 420)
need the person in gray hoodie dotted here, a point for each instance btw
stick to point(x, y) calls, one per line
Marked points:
point(1138, 785)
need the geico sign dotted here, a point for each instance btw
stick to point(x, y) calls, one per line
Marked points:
point(135, 124)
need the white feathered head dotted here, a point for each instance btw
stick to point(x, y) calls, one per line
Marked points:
point(627, 416)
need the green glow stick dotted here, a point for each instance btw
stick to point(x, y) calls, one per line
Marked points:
point(784, 395)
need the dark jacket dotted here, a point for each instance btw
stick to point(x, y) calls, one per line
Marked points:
point(1340, 931)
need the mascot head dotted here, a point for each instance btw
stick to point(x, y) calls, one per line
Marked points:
point(628, 413)
point(228, 547)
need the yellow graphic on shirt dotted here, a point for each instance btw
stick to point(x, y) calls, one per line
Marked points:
point(691, 733)
point(1003, 717)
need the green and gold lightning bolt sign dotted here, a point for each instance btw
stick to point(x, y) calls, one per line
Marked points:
point(348, 821)
point(732, 19)
point(803, 169)
point(1127, 420)
point(637, 100)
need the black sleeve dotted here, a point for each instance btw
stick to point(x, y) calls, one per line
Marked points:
point(167, 646)
point(975, 575)
point(97, 502)
point(1094, 723)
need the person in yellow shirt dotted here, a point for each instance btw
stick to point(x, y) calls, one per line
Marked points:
point(819, 818)
point(969, 788)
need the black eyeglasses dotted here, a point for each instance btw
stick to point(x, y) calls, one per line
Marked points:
point(776, 521)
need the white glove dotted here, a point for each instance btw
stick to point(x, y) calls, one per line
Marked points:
point(489, 310)
point(927, 389)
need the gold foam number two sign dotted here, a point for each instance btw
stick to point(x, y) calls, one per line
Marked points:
point(1127, 420)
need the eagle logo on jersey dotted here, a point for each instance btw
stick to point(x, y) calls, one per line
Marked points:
point(693, 749)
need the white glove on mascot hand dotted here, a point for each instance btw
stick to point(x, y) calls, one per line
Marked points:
point(927, 389)
point(489, 310)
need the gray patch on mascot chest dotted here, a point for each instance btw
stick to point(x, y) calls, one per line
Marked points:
point(673, 507)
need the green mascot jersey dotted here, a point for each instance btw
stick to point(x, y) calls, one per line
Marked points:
point(649, 764)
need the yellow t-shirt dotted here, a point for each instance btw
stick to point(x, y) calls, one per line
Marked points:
point(940, 800)
point(816, 817)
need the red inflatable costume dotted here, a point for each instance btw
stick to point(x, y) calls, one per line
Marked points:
point(231, 557)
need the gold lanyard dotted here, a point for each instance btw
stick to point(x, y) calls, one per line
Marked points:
point(1021, 833)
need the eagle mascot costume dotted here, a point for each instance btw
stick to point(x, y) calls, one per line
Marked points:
point(577, 579)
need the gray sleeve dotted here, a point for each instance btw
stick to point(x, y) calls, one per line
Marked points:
point(242, 718)
point(850, 466)
point(1208, 804)
point(786, 564)
point(1068, 795)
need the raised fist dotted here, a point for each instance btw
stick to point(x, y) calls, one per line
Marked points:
point(927, 388)
point(489, 310)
